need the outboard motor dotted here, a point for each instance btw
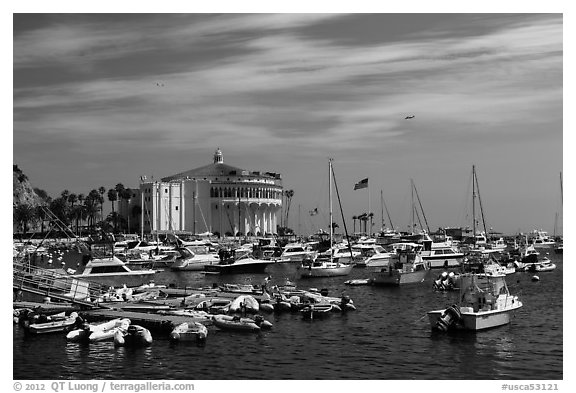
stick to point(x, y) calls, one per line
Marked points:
point(448, 318)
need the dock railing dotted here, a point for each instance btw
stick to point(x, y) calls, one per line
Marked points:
point(53, 284)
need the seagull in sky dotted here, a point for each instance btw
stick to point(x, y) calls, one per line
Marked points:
point(409, 117)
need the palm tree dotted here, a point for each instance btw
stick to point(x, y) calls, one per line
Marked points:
point(127, 196)
point(23, 214)
point(65, 195)
point(112, 197)
point(101, 191)
point(81, 198)
point(93, 207)
point(41, 216)
point(289, 195)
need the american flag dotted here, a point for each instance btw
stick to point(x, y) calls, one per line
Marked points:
point(361, 184)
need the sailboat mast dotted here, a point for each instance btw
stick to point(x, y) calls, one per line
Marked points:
point(473, 204)
point(330, 201)
point(412, 216)
point(382, 207)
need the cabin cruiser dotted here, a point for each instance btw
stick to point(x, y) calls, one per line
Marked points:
point(194, 258)
point(237, 261)
point(540, 239)
point(409, 268)
point(297, 252)
point(373, 255)
point(113, 272)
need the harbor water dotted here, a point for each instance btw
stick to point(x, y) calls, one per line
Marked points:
point(388, 337)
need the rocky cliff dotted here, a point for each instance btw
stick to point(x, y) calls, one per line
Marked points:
point(23, 193)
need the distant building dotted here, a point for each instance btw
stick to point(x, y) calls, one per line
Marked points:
point(216, 198)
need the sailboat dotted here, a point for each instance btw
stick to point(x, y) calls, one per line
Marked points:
point(326, 267)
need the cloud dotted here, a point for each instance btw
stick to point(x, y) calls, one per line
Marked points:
point(284, 87)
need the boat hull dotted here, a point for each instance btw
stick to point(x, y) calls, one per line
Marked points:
point(238, 268)
point(480, 320)
point(400, 278)
point(135, 278)
point(314, 272)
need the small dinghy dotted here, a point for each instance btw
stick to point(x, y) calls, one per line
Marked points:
point(99, 332)
point(227, 322)
point(364, 281)
point(56, 325)
point(266, 307)
point(134, 336)
point(313, 311)
point(189, 332)
point(245, 304)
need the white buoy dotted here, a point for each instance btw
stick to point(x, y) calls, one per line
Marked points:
point(535, 278)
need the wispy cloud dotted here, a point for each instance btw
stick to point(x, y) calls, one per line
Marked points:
point(349, 93)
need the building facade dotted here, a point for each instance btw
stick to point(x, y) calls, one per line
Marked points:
point(216, 198)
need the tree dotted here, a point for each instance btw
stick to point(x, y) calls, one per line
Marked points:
point(93, 207)
point(127, 196)
point(112, 197)
point(289, 194)
point(101, 191)
point(41, 216)
point(23, 214)
point(43, 195)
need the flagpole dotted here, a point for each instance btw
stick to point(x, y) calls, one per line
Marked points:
point(370, 229)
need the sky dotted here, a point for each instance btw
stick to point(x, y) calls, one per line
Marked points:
point(101, 99)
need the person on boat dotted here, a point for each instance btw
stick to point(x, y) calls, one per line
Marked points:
point(265, 284)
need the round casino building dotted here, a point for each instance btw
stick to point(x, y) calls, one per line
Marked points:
point(216, 198)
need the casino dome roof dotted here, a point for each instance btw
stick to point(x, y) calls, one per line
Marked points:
point(210, 170)
point(217, 168)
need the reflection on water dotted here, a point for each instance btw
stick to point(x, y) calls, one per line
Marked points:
point(387, 337)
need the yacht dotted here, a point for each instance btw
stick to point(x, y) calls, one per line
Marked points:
point(296, 252)
point(540, 239)
point(194, 258)
point(409, 268)
point(111, 271)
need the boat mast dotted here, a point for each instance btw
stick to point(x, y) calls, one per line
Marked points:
point(388, 214)
point(330, 204)
point(473, 205)
point(342, 214)
point(382, 208)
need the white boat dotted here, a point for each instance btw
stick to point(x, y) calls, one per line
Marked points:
point(56, 325)
point(485, 303)
point(540, 239)
point(343, 254)
point(542, 265)
point(134, 336)
point(371, 254)
point(228, 322)
point(98, 332)
point(239, 262)
point(410, 268)
point(244, 304)
point(193, 331)
point(326, 267)
point(296, 252)
point(440, 254)
point(194, 259)
point(111, 271)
